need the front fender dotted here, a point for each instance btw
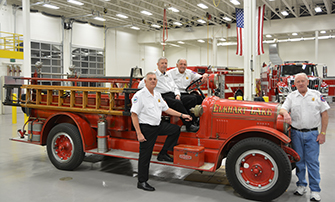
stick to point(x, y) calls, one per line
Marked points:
point(88, 135)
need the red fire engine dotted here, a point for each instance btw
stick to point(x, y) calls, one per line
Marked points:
point(73, 120)
point(234, 80)
point(278, 81)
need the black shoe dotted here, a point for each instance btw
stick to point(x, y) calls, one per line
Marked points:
point(145, 186)
point(192, 128)
point(164, 157)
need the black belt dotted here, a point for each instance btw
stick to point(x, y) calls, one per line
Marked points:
point(304, 129)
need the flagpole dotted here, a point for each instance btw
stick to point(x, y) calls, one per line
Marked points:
point(247, 48)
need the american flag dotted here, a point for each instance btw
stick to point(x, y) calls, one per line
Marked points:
point(239, 30)
point(260, 23)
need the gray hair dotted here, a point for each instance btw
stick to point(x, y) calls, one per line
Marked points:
point(181, 59)
point(302, 74)
point(162, 58)
point(149, 73)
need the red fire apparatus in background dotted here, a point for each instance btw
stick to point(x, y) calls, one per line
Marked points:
point(73, 120)
point(278, 81)
point(234, 80)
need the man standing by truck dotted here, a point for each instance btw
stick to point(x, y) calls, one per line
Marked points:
point(146, 112)
point(308, 111)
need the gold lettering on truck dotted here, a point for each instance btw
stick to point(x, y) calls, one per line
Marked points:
point(242, 110)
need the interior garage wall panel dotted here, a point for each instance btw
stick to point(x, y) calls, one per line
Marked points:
point(85, 35)
point(151, 55)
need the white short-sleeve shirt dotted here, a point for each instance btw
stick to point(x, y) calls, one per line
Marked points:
point(305, 110)
point(165, 83)
point(148, 107)
point(184, 79)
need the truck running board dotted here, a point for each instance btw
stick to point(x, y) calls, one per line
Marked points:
point(134, 156)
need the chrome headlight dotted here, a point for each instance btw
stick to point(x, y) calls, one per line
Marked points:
point(283, 89)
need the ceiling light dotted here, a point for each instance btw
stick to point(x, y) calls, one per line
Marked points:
point(268, 35)
point(226, 18)
point(171, 44)
point(135, 28)
point(177, 23)
point(201, 41)
point(222, 39)
point(201, 21)
point(146, 13)
point(50, 6)
point(318, 9)
point(163, 44)
point(294, 34)
point(284, 13)
point(173, 9)
point(99, 18)
point(156, 26)
point(75, 2)
point(235, 2)
point(203, 6)
point(121, 16)
point(181, 42)
point(322, 32)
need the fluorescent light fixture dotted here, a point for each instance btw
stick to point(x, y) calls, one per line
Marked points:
point(318, 9)
point(177, 23)
point(135, 28)
point(181, 42)
point(226, 18)
point(322, 32)
point(163, 44)
point(201, 21)
point(226, 43)
point(156, 26)
point(284, 13)
point(173, 9)
point(99, 18)
point(121, 16)
point(75, 2)
point(50, 6)
point(309, 38)
point(146, 13)
point(235, 2)
point(324, 37)
point(222, 39)
point(295, 34)
point(171, 44)
point(203, 6)
point(201, 41)
point(268, 36)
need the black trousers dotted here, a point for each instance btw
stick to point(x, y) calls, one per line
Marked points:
point(150, 133)
point(177, 105)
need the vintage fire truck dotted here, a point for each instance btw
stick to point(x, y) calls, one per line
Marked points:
point(278, 81)
point(72, 119)
point(234, 80)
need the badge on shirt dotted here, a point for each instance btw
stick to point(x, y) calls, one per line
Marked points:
point(187, 78)
point(159, 100)
point(135, 99)
point(322, 98)
point(313, 99)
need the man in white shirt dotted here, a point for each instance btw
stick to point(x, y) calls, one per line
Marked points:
point(146, 112)
point(170, 92)
point(308, 112)
point(183, 77)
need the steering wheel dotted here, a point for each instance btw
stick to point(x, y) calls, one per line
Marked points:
point(195, 85)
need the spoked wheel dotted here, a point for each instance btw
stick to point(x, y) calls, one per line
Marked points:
point(195, 85)
point(65, 147)
point(258, 169)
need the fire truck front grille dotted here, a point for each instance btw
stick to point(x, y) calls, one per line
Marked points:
point(313, 84)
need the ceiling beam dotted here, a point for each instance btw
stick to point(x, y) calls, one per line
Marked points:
point(308, 8)
point(290, 8)
point(273, 10)
point(216, 8)
point(328, 7)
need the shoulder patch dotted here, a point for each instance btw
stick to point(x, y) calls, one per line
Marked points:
point(322, 98)
point(193, 72)
point(135, 99)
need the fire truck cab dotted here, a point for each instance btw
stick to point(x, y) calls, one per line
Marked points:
point(71, 120)
point(278, 81)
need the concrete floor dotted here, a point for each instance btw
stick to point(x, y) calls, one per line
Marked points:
point(26, 174)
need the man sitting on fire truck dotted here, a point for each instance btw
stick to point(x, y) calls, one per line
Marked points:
point(183, 77)
point(170, 92)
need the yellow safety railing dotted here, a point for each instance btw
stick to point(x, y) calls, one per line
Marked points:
point(11, 45)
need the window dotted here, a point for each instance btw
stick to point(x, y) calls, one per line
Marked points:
point(88, 63)
point(51, 56)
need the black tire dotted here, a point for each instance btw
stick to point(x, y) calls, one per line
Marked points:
point(258, 169)
point(65, 147)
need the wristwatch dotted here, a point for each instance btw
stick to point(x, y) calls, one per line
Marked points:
point(323, 133)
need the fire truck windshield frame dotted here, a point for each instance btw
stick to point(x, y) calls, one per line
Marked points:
point(290, 70)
